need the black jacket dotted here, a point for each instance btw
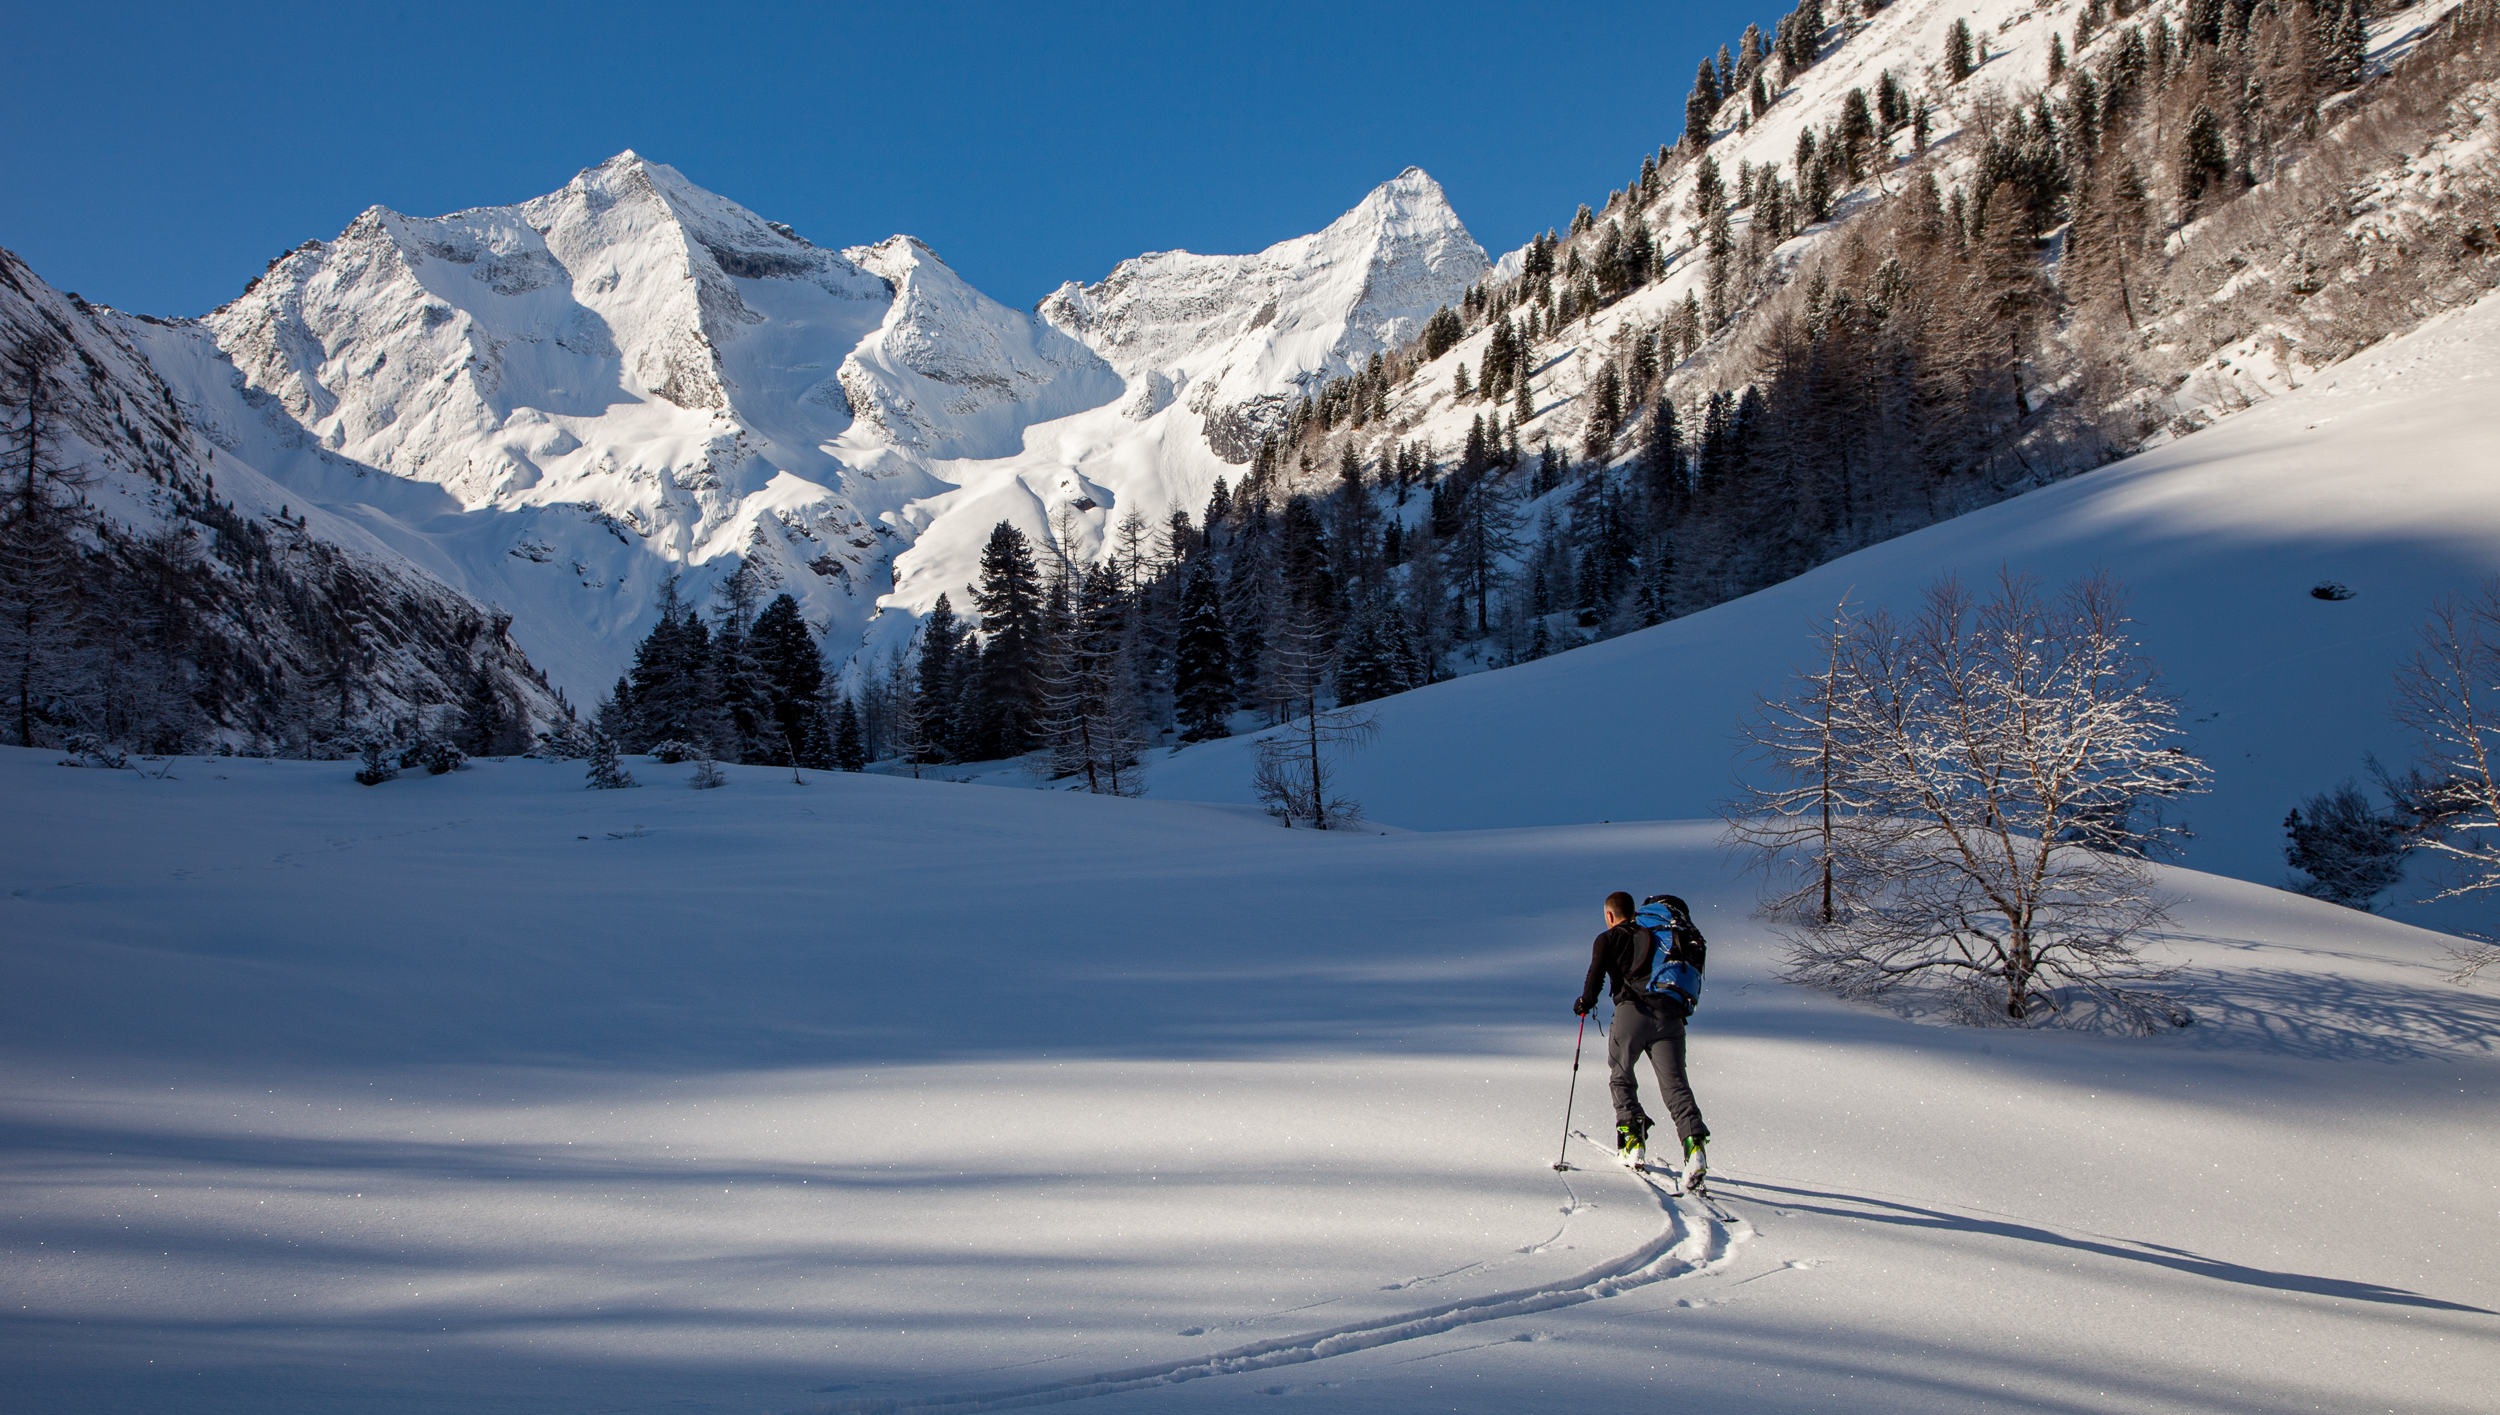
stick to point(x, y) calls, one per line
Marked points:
point(1610, 961)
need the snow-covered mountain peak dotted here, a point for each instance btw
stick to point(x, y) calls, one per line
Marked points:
point(954, 373)
point(642, 378)
point(1250, 332)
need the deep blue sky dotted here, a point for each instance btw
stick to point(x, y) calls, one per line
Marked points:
point(160, 154)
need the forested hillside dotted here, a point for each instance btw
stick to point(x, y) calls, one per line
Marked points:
point(1872, 286)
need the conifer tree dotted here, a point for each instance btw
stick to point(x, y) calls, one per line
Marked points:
point(674, 696)
point(484, 722)
point(1376, 661)
point(940, 683)
point(791, 673)
point(2204, 162)
point(1202, 675)
point(2345, 48)
point(1219, 510)
point(738, 681)
point(1701, 107)
point(1605, 414)
point(1090, 728)
point(1957, 51)
point(849, 749)
point(1250, 597)
point(1662, 466)
point(1305, 568)
point(42, 614)
point(605, 773)
point(1007, 691)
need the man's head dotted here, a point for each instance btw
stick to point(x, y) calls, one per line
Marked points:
point(1618, 908)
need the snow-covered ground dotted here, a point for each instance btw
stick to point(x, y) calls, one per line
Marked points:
point(484, 1093)
point(487, 1093)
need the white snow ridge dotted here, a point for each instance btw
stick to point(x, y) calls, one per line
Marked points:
point(553, 405)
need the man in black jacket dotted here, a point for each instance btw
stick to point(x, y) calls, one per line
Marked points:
point(1646, 1024)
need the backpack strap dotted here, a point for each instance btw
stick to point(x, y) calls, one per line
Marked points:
point(1643, 960)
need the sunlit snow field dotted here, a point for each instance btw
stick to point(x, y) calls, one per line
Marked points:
point(487, 1093)
point(783, 1097)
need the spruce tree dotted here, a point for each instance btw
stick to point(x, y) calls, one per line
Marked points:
point(1486, 535)
point(482, 729)
point(1008, 689)
point(1957, 51)
point(2204, 162)
point(940, 681)
point(1250, 598)
point(791, 674)
point(674, 695)
point(1202, 675)
point(737, 678)
point(605, 773)
point(1605, 414)
point(1305, 569)
point(1701, 107)
point(850, 752)
point(1373, 665)
point(1662, 466)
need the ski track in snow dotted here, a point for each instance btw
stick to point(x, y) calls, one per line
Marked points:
point(1696, 1237)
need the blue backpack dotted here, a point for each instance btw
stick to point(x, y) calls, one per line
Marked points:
point(1669, 967)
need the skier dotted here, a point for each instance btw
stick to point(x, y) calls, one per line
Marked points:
point(1645, 1024)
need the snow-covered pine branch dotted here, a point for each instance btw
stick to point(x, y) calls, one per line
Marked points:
point(1981, 788)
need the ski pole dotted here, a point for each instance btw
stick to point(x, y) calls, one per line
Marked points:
point(1574, 1094)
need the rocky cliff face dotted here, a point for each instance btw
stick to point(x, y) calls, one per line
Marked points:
point(211, 600)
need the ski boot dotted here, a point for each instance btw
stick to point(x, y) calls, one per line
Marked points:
point(1632, 1144)
point(1696, 1162)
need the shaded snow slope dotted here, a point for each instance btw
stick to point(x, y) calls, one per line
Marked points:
point(487, 1094)
point(2383, 474)
point(555, 404)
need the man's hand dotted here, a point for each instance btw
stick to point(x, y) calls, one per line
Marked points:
point(1580, 1007)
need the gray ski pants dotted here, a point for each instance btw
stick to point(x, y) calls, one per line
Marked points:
point(1636, 1034)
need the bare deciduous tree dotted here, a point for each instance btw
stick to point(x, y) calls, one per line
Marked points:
point(1294, 772)
point(2449, 695)
point(1294, 777)
point(1966, 803)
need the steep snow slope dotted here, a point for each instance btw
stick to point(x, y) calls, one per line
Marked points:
point(1214, 350)
point(487, 1094)
point(149, 468)
point(555, 404)
point(2380, 474)
point(1905, 39)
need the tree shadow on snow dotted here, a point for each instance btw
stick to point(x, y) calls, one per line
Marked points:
point(1893, 1212)
point(2334, 1016)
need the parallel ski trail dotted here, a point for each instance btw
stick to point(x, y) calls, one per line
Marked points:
point(1696, 1237)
